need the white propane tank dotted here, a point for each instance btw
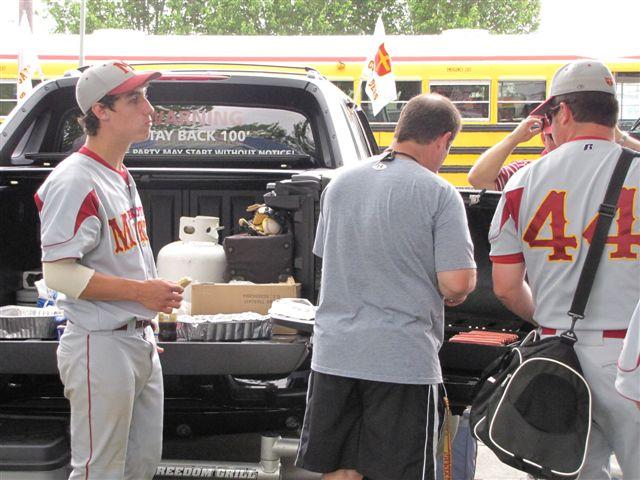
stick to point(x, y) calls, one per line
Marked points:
point(197, 254)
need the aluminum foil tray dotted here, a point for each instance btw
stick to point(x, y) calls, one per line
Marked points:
point(28, 322)
point(230, 327)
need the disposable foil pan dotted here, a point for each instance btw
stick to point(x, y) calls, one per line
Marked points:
point(231, 327)
point(28, 322)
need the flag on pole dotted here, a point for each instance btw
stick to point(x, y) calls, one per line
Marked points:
point(28, 63)
point(377, 72)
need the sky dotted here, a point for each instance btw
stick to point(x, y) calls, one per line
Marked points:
point(610, 20)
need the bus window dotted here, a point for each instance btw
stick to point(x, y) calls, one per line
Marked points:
point(345, 85)
point(8, 96)
point(517, 98)
point(390, 114)
point(628, 93)
point(471, 97)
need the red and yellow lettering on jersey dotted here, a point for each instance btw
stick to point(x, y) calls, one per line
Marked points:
point(552, 208)
point(625, 239)
point(141, 226)
point(122, 236)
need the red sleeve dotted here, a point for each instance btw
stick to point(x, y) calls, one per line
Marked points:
point(512, 258)
point(38, 201)
point(507, 171)
point(89, 208)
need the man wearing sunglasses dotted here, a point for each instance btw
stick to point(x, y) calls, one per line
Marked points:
point(542, 229)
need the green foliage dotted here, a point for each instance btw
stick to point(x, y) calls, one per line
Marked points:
point(296, 17)
point(497, 16)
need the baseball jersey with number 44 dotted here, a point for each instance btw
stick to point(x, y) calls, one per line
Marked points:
point(546, 218)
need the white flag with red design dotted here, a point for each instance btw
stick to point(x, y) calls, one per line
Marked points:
point(28, 63)
point(381, 83)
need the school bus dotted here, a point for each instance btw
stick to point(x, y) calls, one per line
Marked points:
point(494, 80)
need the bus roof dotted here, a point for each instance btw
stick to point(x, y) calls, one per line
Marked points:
point(450, 46)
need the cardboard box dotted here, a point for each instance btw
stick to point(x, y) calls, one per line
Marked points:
point(212, 298)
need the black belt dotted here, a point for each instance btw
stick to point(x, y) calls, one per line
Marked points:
point(139, 324)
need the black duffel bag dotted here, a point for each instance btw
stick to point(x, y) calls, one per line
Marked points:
point(533, 406)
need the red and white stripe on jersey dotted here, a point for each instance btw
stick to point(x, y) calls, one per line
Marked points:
point(39, 202)
point(88, 208)
point(511, 210)
point(123, 172)
point(507, 171)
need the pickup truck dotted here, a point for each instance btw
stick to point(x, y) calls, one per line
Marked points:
point(224, 137)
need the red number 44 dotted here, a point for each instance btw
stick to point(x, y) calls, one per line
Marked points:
point(552, 211)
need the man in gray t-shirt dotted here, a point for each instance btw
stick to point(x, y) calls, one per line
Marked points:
point(395, 246)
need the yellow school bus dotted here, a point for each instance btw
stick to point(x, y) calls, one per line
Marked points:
point(495, 80)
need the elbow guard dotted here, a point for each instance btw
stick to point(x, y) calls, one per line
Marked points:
point(67, 276)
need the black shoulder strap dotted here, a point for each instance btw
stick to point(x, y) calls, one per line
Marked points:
point(606, 211)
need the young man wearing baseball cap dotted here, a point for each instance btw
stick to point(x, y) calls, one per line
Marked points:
point(96, 252)
point(489, 171)
point(542, 229)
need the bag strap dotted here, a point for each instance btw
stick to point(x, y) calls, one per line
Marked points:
point(606, 212)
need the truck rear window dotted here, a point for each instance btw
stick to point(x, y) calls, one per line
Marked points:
point(206, 131)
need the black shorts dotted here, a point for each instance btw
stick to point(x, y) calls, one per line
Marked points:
point(385, 431)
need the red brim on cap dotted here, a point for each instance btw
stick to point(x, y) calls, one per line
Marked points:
point(134, 82)
point(541, 109)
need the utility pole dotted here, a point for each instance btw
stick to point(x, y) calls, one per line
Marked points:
point(26, 6)
point(83, 20)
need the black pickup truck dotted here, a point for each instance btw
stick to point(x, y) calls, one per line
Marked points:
point(223, 138)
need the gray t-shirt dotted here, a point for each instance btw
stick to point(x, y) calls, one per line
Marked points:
point(383, 233)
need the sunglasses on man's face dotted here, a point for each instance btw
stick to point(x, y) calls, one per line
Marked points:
point(544, 123)
point(550, 113)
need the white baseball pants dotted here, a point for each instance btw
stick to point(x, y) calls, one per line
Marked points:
point(113, 380)
point(615, 426)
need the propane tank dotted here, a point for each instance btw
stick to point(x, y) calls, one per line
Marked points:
point(197, 254)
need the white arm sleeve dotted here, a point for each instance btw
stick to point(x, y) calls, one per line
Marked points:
point(67, 276)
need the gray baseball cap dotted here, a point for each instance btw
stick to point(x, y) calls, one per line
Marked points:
point(579, 76)
point(110, 78)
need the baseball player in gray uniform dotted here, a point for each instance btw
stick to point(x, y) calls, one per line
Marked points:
point(542, 228)
point(95, 251)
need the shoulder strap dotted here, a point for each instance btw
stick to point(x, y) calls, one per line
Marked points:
point(606, 212)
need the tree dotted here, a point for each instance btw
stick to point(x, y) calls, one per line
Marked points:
point(296, 17)
point(497, 16)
